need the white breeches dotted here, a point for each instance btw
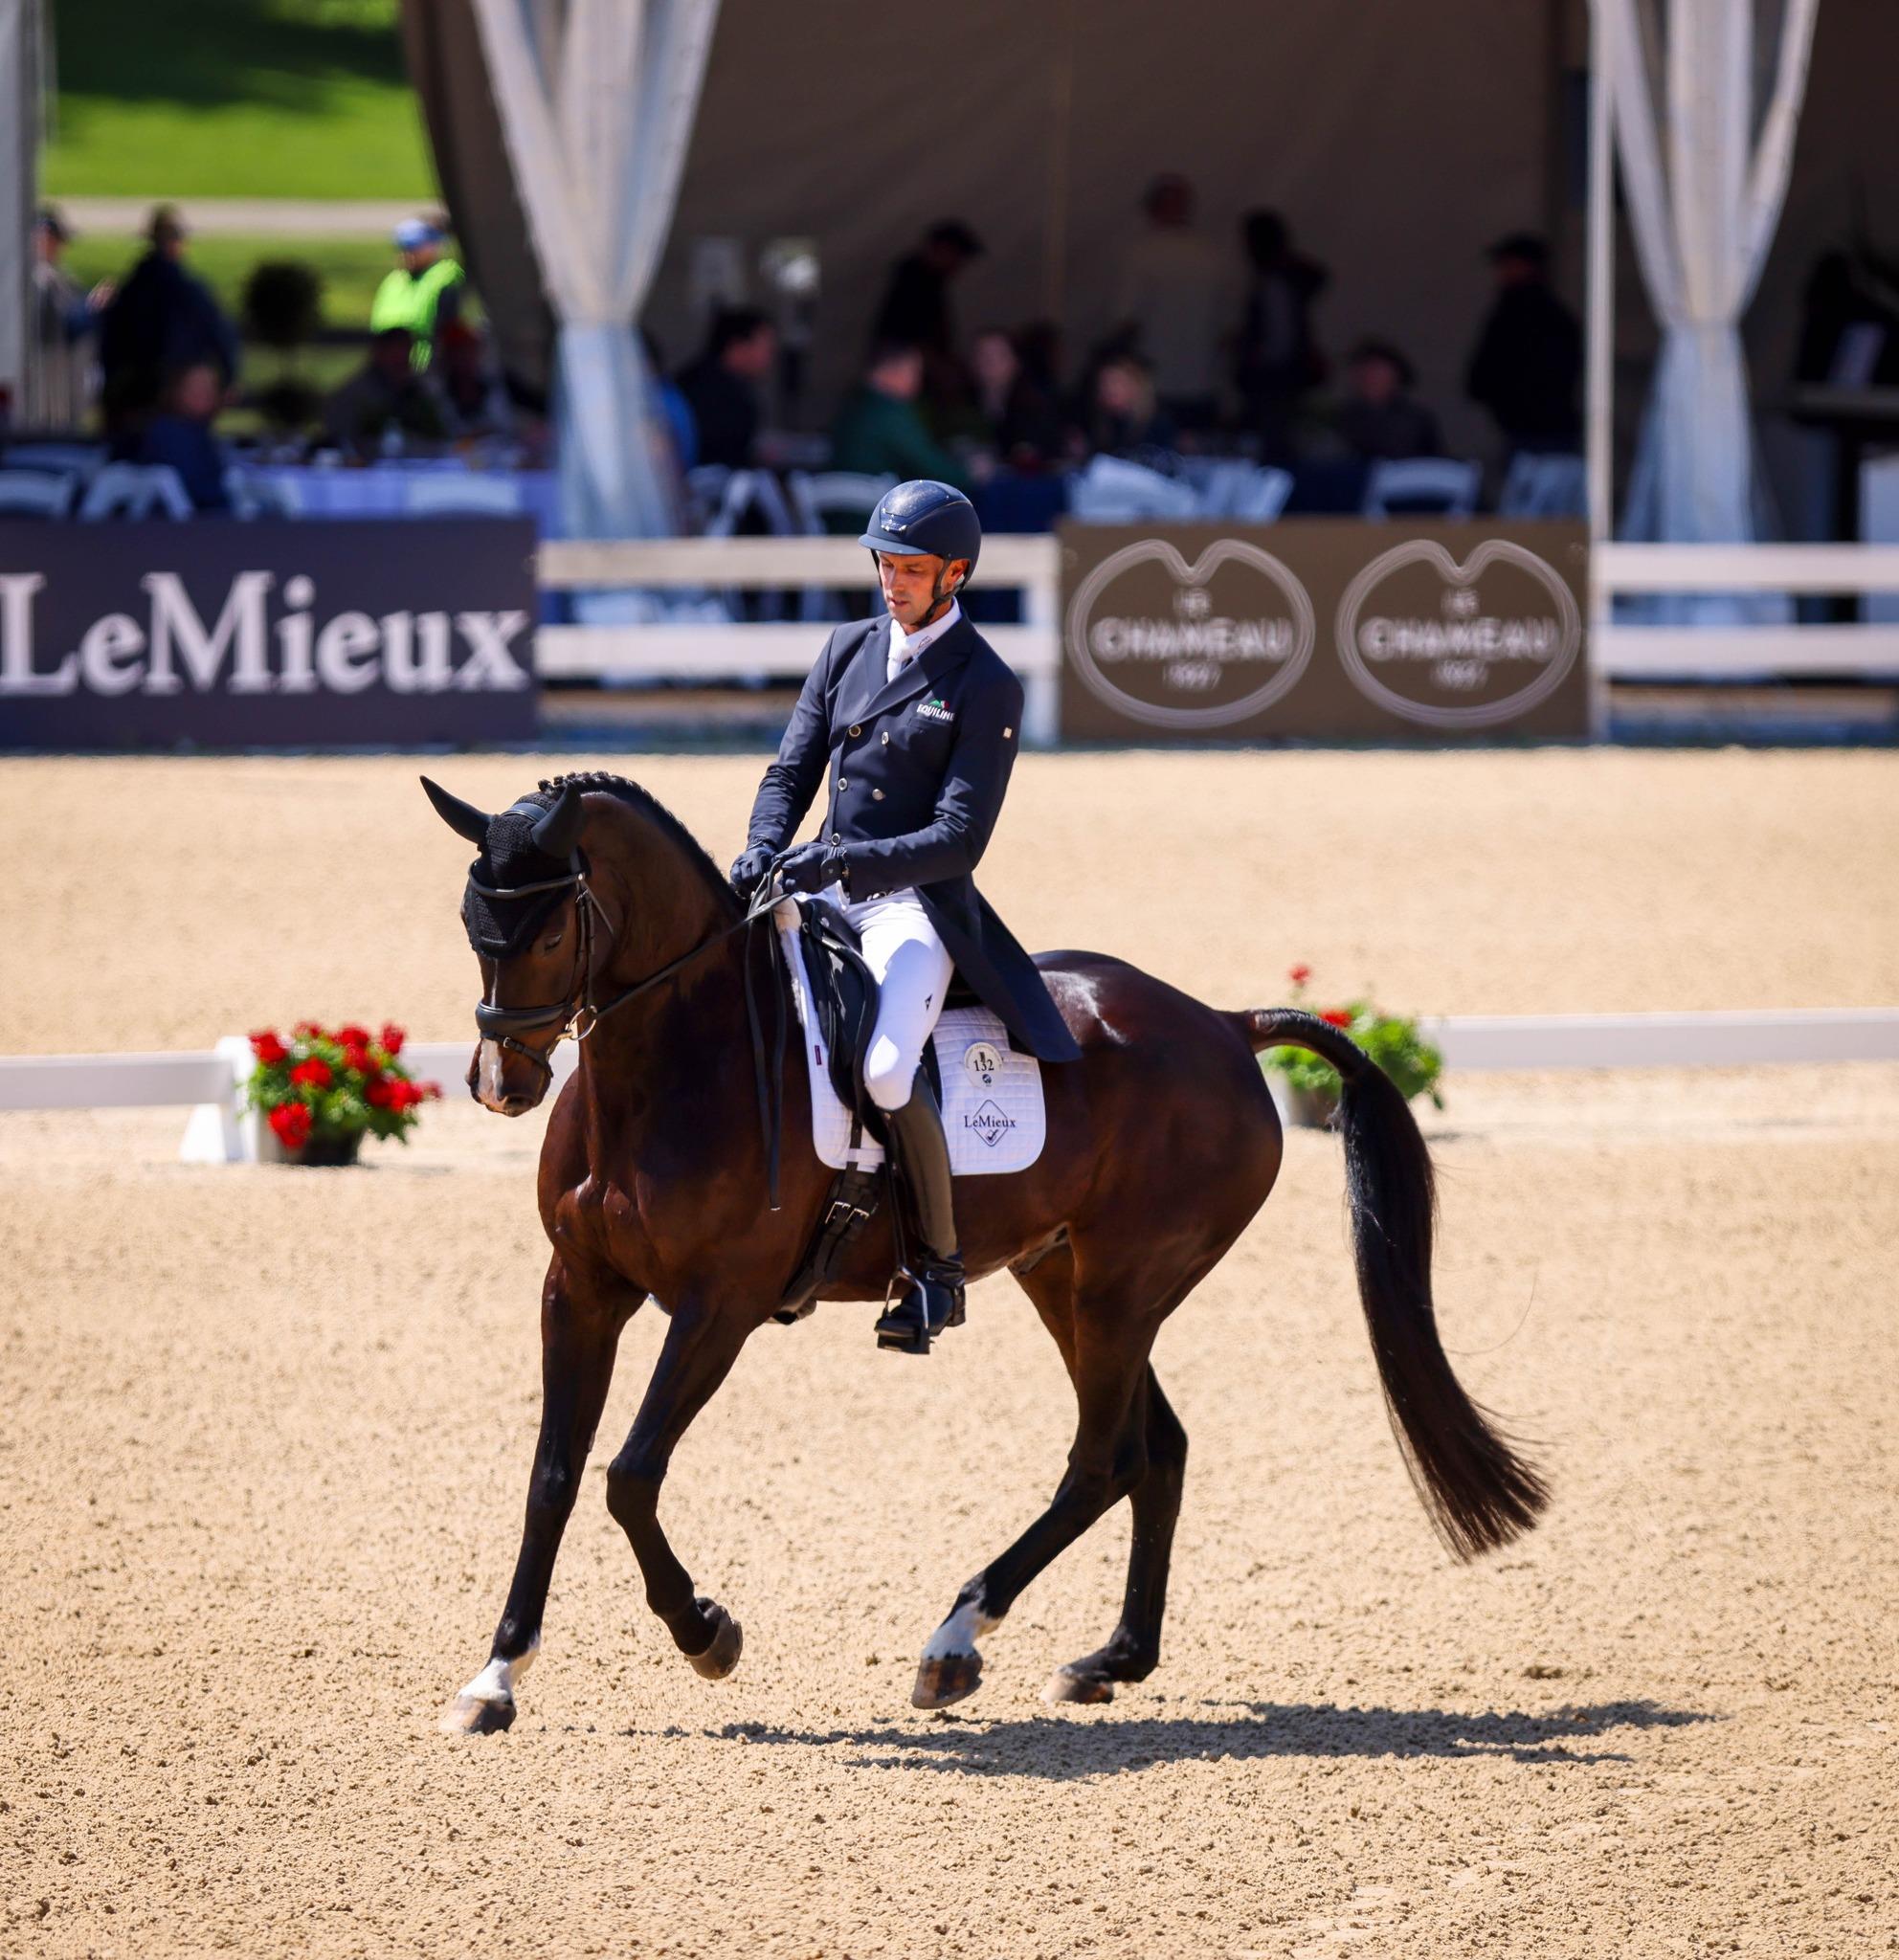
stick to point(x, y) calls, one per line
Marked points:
point(913, 970)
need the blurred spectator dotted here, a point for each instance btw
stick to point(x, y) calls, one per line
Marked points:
point(1123, 418)
point(424, 291)
point(471, 385)
point(916, 306)
point(1528, 365)
point(386, 404)
point(1016, 417)
point(1378, 419)
point(722, 387)
point(1174, 302)
point(179, 436)
point(65, 316)
point(878, 431)
point(162, 319)
point(1276, 358)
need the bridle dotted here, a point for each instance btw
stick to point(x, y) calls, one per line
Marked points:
point(578, 1013)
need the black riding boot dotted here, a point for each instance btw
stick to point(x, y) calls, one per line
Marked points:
point(931, 1294)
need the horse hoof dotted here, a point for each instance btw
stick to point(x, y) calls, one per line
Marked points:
point(476, 1715)
point(717, 1660)
point(1064, 1684)
point(946, 1679)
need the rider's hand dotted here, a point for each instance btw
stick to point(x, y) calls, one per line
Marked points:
point(749, 871)
point(810, 868)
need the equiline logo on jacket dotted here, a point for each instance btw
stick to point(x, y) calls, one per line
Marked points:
point(933, 710)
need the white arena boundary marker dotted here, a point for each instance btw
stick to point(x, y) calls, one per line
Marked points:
point(209, 1081)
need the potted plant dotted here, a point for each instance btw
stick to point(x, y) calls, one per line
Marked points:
point(1392, 1040)
point(326, 1088)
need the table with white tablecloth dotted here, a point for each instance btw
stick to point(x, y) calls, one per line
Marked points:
point(408, 487)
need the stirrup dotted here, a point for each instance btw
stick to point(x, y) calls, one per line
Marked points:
point(905, 1326)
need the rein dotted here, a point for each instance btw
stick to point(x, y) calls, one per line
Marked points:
point(578, 1013)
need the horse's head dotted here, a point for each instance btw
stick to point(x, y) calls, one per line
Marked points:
point(529, 918)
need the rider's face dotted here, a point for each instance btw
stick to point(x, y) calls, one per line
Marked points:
point(908, 581)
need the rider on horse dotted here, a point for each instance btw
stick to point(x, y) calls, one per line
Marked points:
point(910, 727)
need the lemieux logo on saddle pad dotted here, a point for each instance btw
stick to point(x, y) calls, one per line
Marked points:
point(993, 1116)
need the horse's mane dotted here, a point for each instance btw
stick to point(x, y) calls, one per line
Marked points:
point(547, 792)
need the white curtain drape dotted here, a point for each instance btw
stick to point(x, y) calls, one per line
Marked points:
point(596, 100)
point(1704, 182)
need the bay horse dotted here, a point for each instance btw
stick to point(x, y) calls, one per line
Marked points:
point(1162, 1143)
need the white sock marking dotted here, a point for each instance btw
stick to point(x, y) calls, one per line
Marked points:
point(496, 1681)
point(959, 1633)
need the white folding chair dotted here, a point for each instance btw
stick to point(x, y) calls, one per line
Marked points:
point(1434, 484)
point(1112, 492)
point(135, 490)
point(748, 491)
point(817, 495)
point(1545, 485)
point(34, 493)
point(705, 493)
point(74, 458)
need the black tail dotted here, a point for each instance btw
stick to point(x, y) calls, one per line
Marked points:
point(1478, 1492)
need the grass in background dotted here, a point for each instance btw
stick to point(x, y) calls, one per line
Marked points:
point(234, 99)
point(349, 268)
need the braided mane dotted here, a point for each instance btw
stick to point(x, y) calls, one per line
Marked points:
point(547, 792)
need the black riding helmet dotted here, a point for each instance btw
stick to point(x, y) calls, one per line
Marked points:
point(926, 519)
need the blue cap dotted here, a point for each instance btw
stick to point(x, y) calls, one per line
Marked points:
point(412, 233)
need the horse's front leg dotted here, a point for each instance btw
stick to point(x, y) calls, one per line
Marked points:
point(579, 1332)
point(701, 1345)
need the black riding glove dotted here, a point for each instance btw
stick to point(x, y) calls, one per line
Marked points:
point(811, 867)
point(750, 868)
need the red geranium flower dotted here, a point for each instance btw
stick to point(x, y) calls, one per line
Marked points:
point(307, 1031)
point(358, 1059)
point(1300, 974)
point(267, 1048)
point(380, 1094)
point(1337, 1017)
point(291, 1122)
point(316, 1072)
point(392, 1038)
point(431, 1091)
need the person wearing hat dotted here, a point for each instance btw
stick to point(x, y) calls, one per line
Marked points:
point(909, 726)
point(1528, 365)
point(161, 322)
point(423, 294)
point(65, 316)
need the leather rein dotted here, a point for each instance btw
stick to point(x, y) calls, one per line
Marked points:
point(578, 1013)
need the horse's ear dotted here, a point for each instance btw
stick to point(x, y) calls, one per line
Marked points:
point(463, 819)
point(559, 831)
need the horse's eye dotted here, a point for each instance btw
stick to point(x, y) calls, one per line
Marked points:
point(548, 945)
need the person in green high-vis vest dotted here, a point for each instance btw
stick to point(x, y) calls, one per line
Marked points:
point(423, 294)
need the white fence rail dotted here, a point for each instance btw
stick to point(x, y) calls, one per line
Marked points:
point(1032, 565)
point(1742, 653)
point(220, 1133)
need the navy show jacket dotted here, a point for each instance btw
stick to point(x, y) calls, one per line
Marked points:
point(914, 771)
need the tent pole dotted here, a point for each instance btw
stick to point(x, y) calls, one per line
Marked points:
point(1062, 109)
point(1601, 339)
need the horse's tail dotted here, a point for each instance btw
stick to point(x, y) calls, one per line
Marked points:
point(1478, 1492)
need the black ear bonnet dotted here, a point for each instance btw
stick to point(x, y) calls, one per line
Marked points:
point(511, 860)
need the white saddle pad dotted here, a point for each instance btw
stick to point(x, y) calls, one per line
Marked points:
point(992, 1110)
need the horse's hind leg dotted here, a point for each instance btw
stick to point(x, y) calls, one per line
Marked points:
point(1106, 1353)
point(578, 1338)
point(1133, 1649)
